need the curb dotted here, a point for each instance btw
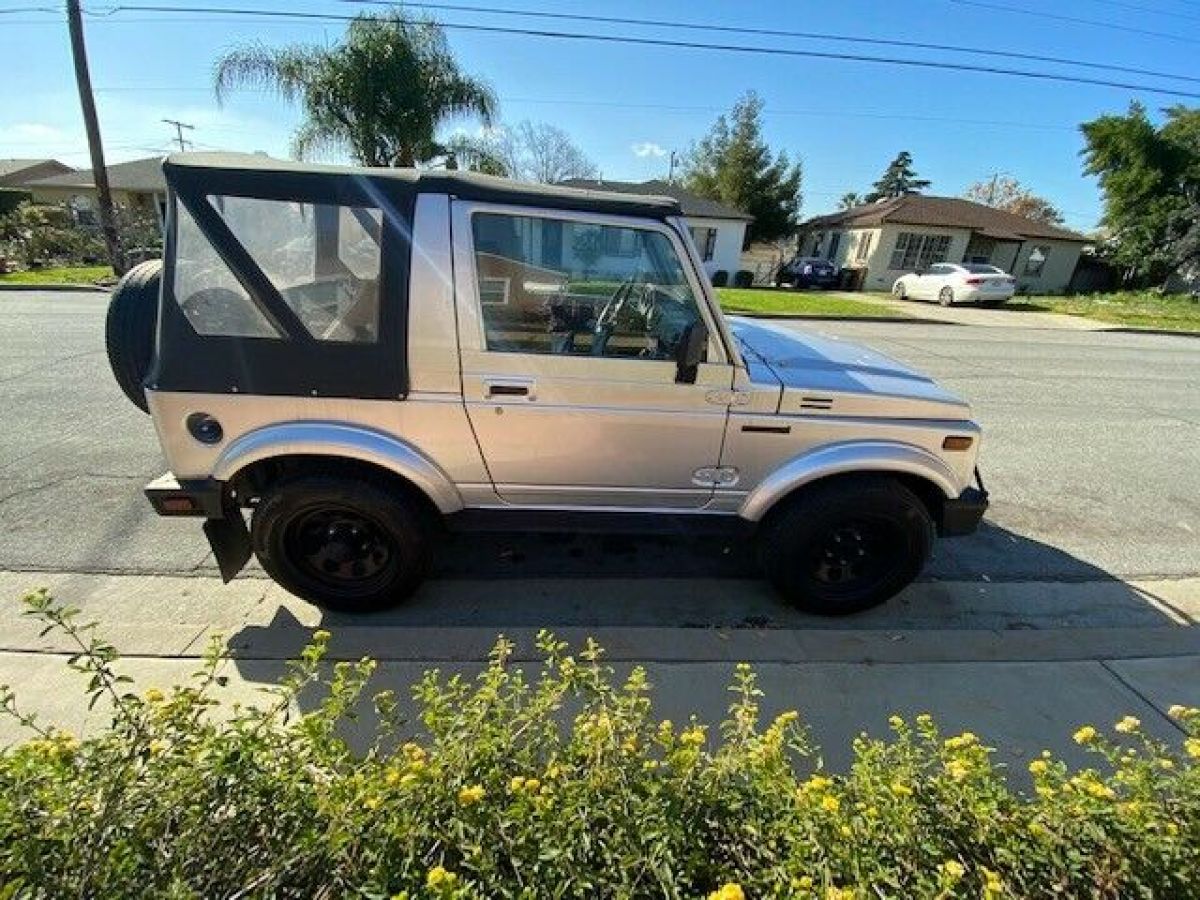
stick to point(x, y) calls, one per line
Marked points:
point(65, 288)
point(806, 317)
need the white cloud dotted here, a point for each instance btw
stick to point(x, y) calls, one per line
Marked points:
point(36, 131)
point(647, 148)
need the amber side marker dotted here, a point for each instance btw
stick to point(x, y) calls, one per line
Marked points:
point(178, 504)
point(957, 442)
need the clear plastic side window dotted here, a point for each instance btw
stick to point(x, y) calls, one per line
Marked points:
point(571, 288)
point(212, 299)
point(324, 260)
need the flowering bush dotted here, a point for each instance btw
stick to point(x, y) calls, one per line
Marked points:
point(561, 785)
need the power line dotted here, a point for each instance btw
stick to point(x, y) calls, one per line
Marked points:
point(771, 32)
point(1148, 9)
point(1074, 20)
point(689, 45)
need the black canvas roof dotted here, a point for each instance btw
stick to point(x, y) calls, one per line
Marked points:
point(463, 185)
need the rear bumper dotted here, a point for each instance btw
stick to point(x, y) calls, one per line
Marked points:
point(206, 498)
point(962, 514)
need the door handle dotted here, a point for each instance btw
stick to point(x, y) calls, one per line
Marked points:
point(508, 387)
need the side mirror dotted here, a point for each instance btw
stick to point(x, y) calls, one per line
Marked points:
point(690, 352)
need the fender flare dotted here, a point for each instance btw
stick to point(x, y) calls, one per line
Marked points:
point(838, 459)
point(344, 441)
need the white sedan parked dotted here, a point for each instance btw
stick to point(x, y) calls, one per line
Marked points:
point(950, 283)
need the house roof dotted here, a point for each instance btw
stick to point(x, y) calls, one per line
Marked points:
point(14, 167)
point(691, 204)
point(136, 175)
point(464, 185)
point(945, 212)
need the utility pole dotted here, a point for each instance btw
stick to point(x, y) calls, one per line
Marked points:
point(87, 102)
point(179, 126)
point(671, 170)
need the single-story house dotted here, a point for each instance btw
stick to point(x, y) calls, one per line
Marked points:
point(718, 230)
point(15, 172)
point(891, 237)
point(139, 183)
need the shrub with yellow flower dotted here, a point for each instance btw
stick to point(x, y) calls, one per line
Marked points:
point(471, 794)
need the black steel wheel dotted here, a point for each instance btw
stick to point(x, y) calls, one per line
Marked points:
point(846, 545)
point(342, 543)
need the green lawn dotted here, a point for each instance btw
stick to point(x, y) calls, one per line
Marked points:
point(64, 275)
point(763, 301)
point(1137, 309)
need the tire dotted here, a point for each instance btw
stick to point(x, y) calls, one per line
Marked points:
point(946, 297)
point(899, 292)
point(129, 329)
point(342, 543)
point(811, 548)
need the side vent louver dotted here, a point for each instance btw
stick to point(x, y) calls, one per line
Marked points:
point(816, 403)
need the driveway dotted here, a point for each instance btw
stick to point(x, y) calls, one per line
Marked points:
point(986, 317)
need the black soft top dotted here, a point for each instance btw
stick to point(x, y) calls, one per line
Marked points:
point(462, 185)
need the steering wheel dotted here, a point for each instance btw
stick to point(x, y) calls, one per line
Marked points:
point(608, 315)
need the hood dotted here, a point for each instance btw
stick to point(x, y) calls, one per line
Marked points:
point(819, 374)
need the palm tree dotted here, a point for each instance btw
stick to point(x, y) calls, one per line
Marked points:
point(380, 94)
point(849, 200)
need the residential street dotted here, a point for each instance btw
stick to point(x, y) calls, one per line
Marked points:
point(1072, 603)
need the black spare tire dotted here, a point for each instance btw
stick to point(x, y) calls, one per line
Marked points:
point(129, 328)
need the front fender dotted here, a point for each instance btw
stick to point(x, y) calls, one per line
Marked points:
point(838, 459)
point(347, 442)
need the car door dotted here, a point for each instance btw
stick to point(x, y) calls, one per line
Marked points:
point(932, 281)
point(568, 325)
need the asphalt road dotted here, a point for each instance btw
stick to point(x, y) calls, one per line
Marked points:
point(1091, 451)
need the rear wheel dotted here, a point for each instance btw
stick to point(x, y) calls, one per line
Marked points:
point(342, 543)
point(946, 297)
point(129, 328)
point(846, 545)
point(898, 291)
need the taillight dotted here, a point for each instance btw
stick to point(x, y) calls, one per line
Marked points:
point(974, 281)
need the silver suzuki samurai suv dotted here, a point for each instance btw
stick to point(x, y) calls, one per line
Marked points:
point(361, 358)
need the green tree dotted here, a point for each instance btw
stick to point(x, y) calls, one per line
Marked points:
point(379, 95)
point(1011, 196)
point(849, 200)
point(1150, 177)
point(898, 179)
point(734, 165)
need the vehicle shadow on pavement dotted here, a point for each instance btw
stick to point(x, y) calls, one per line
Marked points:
point(995, 580)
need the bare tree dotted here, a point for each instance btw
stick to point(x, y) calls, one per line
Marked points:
point(537, 151)
point(1011, 196)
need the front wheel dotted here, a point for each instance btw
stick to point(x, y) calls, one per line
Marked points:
point(846, 545)
point(346, 544)
point(898, 291)
point(946, 297)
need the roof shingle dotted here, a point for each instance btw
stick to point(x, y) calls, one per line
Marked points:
point(945, 212)
point(136, 175)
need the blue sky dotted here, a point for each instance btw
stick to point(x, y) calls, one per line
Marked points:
point(844, 120)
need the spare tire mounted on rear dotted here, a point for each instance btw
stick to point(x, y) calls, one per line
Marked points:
point(129, 328)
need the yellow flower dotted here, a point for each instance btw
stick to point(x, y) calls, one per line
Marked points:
point(1128, 725)
point(900, 789)
point(1100, 790)
point(846, 831)
point(392, 778)
point(1085, 735)
point(1039, 767)
point(516, 784)
point(895, 722)
point(154, 695)
point(472, 794)
point(803, 883)
point(816, 784)
point(1172, 829)
point(830, 804)
point(952, 869)
point(728, 891)
point(372, 803)
point(966, 739)
point(957, 769)
point(837, 893)
point(925, 720)
point(554, 771)
point(1165, 763)
point(439, 877)
point(993, 887)
point(694, 736)
point(321, 635)
point(158, 745)
point(1192, 747)
point(532, 784)
point(787, 717)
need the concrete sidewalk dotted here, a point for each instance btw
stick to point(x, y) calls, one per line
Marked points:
point(1021, 689)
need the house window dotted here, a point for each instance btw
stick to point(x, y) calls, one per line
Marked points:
point(705, 240)
point(1036, 261)
point(818, 240)
point(619, 241)
point(919, 251)
point(834, 242)
point(493, 291)
point(863, 250)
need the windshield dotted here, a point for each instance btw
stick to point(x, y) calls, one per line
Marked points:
point(979, 269)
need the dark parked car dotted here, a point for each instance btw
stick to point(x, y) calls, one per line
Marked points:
point(807, 271)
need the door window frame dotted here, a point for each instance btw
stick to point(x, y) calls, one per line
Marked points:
point(471, 329)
